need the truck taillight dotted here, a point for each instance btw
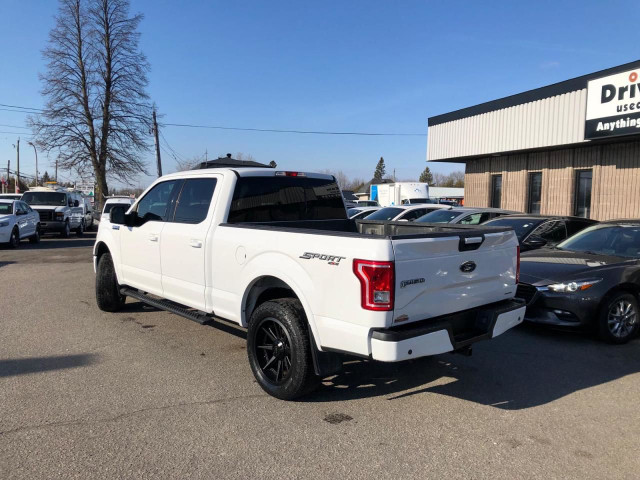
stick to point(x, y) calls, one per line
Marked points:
point(376, 284)
point(518, 267)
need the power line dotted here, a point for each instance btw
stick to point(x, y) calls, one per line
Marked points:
point(14, 126)
point(23, 108)
point(248, 129)
point(306, 132)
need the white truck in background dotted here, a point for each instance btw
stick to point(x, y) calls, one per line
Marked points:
point(399, 193)
point(275, 252)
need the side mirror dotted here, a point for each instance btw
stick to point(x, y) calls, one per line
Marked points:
point(535, 241)
point(76, 203)
point(117, 215)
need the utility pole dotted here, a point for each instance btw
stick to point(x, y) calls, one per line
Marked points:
point(36, 152)
point(18, 167)
point(155, 137)
point(8, 177)
point(56, 170)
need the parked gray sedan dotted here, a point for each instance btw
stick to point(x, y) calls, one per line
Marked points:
point(463, 215)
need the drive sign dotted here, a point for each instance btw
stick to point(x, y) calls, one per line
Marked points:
point(613, 105)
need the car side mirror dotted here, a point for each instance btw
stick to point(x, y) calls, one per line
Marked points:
point(76, 203)
point(117, 215)
point(534, 241)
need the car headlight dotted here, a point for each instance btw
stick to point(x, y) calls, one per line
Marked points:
point(571, 287)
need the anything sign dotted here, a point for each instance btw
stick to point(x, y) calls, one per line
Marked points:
point(613, 105)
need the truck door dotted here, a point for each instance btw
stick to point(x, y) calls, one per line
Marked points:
point(140, 244)
point(182, 246)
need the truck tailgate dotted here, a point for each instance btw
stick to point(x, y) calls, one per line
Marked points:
point(447, 274)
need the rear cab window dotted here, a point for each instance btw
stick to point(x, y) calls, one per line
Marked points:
point(283, 198)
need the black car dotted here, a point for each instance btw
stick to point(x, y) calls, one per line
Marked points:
point(536, 231)
point(592, 279)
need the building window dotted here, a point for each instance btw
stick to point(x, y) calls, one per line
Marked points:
point(535, 191)
point(496, 191)
point(583, 193)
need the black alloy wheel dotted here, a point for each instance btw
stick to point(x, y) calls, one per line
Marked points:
point(279, 349)
point(273, 346)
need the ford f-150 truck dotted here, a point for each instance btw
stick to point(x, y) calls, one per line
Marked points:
point(275, 252)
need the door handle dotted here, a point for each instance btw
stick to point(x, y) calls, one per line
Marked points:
point(153, 238)
point(195, 243)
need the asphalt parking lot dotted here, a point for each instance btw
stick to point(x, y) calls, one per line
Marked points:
point(147, 394)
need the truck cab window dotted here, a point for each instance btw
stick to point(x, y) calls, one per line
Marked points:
point(153, 206)
point(195, 198)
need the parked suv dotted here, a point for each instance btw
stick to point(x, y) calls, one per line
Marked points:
point(59, 210)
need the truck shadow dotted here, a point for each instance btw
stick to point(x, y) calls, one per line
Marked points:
point(24, 366)
point(524, 368)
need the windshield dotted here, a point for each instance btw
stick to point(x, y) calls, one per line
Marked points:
point(420, 200)
point(110, 205)
point(45, 198)
point(385, 213)
point(522, 226)
point(440, 216)
point(6, 209)
point(619, 240)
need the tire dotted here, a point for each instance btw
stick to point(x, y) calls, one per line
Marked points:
point(14, 239)
point(66, 233)
point(618, 319)
point(80, 229)
point(108, 295)
point(35, 238)
point(279, 349)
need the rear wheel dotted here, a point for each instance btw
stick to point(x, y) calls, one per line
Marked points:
point(618, 321)
point(279, 349)
point(14, 239)
point(108, 296)
point(35, 238)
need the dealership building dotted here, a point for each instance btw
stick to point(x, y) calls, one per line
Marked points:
point(571, 148)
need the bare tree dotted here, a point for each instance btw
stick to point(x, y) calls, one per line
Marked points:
point(97, 114)
point(245, 156)
point(188, 164)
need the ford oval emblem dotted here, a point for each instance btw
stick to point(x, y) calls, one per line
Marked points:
point(468, 267)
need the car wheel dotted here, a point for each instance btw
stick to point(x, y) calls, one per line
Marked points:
point(619, 319)
point(108, 296)
point(279, 349)
point(14, 239)
point(35, 238)
point(66, 233)
point(80, 229)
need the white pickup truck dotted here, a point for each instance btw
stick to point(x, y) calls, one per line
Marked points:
point(275, 252)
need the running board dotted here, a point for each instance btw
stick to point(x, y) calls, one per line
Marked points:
point(167, 305)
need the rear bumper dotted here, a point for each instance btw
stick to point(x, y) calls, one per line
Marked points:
point(445, 334)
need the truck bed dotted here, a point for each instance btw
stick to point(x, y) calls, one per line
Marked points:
point(372, 228)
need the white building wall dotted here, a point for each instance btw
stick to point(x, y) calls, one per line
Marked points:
point(552, 121)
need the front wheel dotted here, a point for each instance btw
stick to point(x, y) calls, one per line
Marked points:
point(66, 233)
point(279, 349)
point(14, 239)
point(108, 296)
point(618, 321)
point(80, 229)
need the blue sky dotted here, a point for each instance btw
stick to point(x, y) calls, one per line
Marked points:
point(375, 66)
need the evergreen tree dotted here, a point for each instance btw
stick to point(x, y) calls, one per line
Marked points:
point(45, 178)
point(426, 176)
point(380, 170)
